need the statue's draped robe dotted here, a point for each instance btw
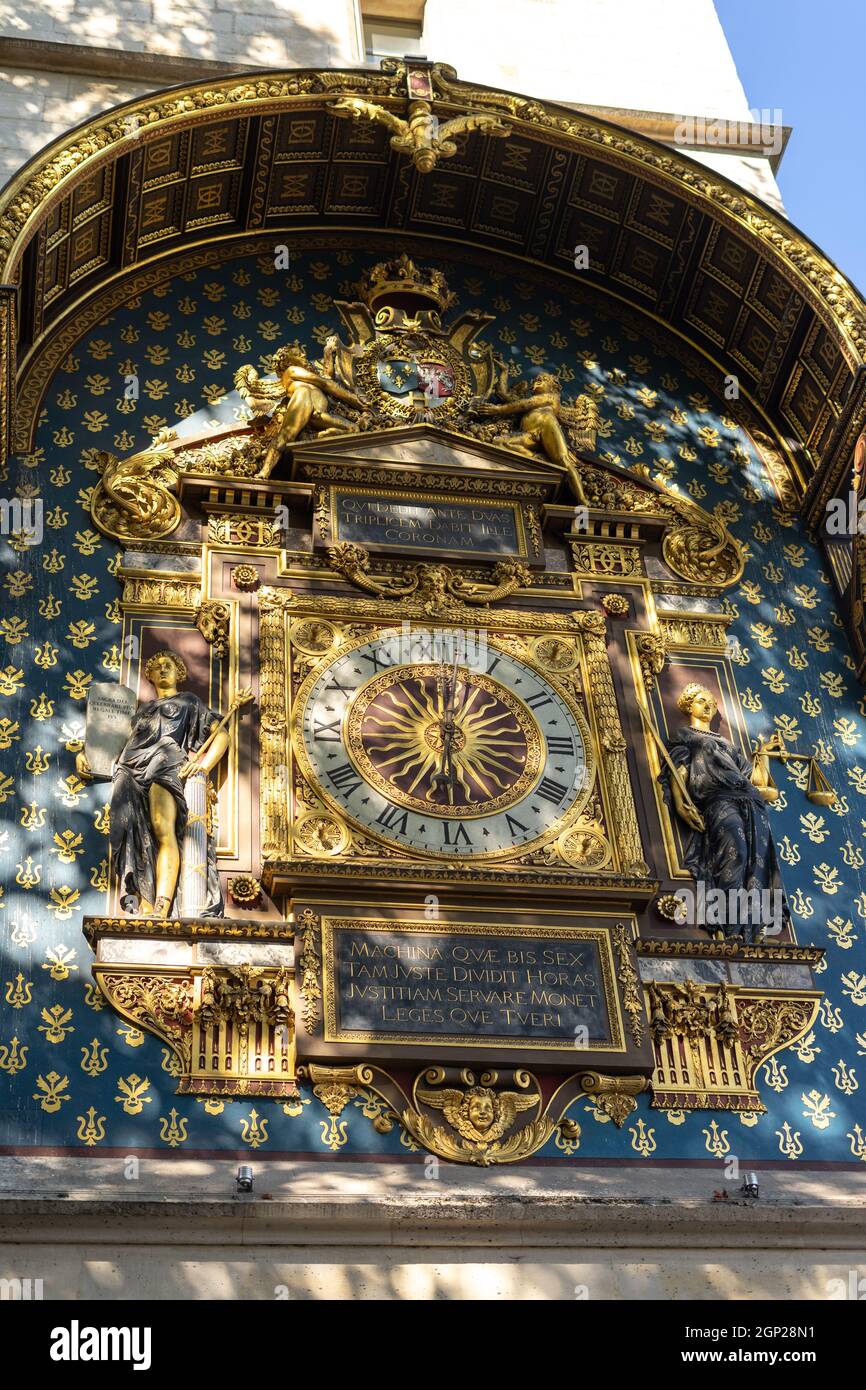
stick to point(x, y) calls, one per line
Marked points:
point(736, 851)
point(164, 734)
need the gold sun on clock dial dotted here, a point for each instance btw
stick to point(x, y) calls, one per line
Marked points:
point(440, 758)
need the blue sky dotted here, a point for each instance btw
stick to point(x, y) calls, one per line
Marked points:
point(810, 61)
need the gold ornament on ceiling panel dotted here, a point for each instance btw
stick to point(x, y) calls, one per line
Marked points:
point(420, 135)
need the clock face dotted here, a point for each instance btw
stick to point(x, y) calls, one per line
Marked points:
point(452, 763)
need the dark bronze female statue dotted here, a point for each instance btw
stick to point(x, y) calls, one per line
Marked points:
point(723, 800)
point(174, 738)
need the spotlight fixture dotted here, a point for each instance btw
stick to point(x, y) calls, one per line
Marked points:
point(750, 1185)
point(244, 1178)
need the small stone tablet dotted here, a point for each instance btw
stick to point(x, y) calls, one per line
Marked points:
point(110, 710)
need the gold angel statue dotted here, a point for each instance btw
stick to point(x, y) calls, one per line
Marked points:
point(546, 423)
point(300, 397)
point(421, 136)
point(134, 498)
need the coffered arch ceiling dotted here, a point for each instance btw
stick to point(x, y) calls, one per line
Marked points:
point(265, 156)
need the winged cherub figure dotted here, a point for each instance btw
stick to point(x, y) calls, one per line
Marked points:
point(299, 397)
point(479, 1115)
point(421, 136)
point(544, 420)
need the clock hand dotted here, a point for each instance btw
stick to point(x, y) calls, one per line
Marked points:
point(445, 773)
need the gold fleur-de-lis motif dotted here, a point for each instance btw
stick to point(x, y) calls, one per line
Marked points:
point(36, 761)
point(99, 876)
point(133, 1037)
point(10, 732)
point(830, 1015)
point(789, 853)
point(817, 1109)
point(171, 1063)
point(93, 998)
point(858, 1143)
point(13, 1057)
point(133, 1097)
point(843, 933)
point(28, 874)
point(776, 1075)
point(94, 1058)
point(33, 816)
point(845, 1078)
point(50, 1094)
point(854, 986)
point(91, 1127)
point(62, 901)
point(67, 845)
point(18, 993)
point(643, 1140)
point(58, 962)
point(815, 827)
point(295, 1106)
point(21, 934)
point(254, 1131)
point(46, 655)
point(790, 1143)
point(716, 1142)
point(173, 1131)
point(334, 1133)
point(69, 790)
point(56, 1023)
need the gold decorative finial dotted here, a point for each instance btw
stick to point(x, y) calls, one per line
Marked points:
point(420, 135)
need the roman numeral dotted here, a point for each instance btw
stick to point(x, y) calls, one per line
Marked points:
point(378, 662)
point(539, 701)
point(334, 684)
point(326, 732)
point(493, 665)
point(460, 835)
point(560, 745)
point(515, 826)
point(392, 818)
point(550, 790)
point(344, 778)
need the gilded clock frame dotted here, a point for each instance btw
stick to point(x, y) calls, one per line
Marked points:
point(349, 738)
point(280, 610)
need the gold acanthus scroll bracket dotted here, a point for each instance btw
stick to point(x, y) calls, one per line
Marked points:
point(438, 587)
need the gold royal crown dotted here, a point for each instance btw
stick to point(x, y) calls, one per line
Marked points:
point(402, 284)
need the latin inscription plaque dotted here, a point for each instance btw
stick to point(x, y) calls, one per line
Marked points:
point(426, 523)
point(536, 990)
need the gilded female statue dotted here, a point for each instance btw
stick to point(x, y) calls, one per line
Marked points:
point(723, 800)
point(175, 739)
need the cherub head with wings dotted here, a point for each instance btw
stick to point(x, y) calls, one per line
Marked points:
point(479, 1114)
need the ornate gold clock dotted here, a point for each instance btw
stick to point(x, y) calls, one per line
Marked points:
point(440, 758)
